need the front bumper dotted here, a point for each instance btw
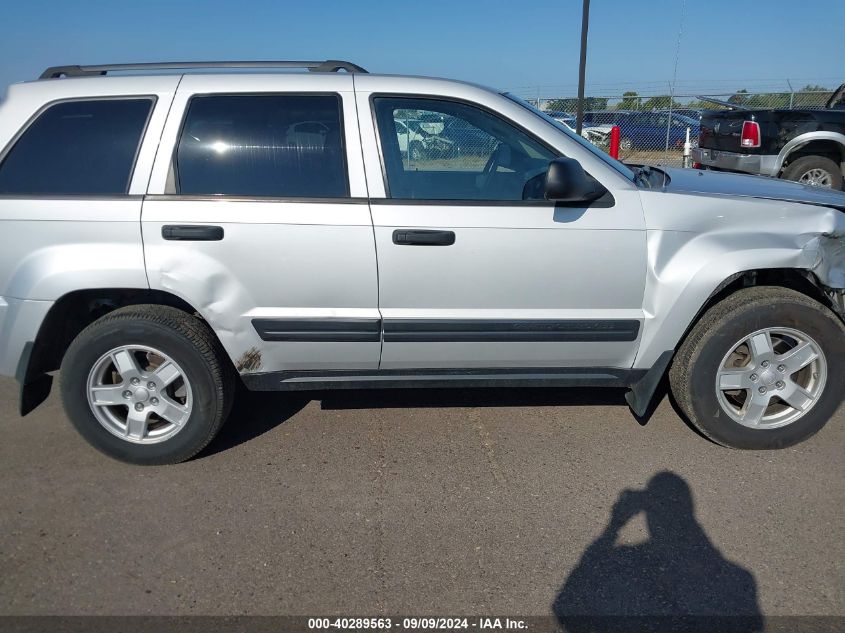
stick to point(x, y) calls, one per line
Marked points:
point(761, 164)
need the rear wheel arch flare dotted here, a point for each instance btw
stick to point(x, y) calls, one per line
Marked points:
point(74, 311)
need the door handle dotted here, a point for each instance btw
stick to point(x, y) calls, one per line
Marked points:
point(423, 237)
point(192, 232)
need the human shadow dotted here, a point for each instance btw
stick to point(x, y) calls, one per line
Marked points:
point(677, 580)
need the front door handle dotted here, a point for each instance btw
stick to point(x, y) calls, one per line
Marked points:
point(192, 232)
point(419, 237)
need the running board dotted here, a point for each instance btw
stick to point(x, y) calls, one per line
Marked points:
point(443, 378)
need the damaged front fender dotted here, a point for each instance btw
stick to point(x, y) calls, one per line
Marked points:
point(697, 243)
point(827, 256)
point(826, 260)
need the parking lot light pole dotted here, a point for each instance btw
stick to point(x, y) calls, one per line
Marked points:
point(582, 67)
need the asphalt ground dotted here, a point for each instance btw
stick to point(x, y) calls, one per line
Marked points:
point(429, 502)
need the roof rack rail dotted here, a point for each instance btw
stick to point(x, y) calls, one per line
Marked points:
point(327, 66)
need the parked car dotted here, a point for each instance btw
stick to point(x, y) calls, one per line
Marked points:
point(690, 113)
point(805, 145)
point(648, 130)
point(604, 117)
point(168, 236)
point(412, 139)
point(459, 138)
point(596, 134)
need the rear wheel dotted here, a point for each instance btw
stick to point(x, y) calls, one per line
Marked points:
point(626, 143)
point(763, 369)
point(815, 170)
point(147, 385)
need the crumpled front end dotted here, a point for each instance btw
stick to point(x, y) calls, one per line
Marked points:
point(827, 263)
point(823, 254)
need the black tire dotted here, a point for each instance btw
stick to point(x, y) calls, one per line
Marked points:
point(796, 170)
point(694, 368)
point(189, 342)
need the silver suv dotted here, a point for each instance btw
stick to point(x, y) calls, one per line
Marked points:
point(165, 236)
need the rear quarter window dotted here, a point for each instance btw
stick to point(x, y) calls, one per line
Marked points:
point(77, 147)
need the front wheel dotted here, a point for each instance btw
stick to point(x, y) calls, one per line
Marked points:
point(763, 369)
point(147, 384)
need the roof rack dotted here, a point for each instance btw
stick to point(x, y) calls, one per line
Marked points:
point(328, 66)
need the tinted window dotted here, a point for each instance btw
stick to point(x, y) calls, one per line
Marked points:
point(77, 147)
point(265, 145)
point(460, 153)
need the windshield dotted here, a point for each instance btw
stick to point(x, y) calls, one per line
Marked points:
point(615, 164)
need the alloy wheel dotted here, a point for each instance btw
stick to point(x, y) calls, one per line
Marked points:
point(139, 394)
point(771, 378)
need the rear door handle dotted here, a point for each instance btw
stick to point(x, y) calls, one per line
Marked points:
point(423, 238)
point(192, 232)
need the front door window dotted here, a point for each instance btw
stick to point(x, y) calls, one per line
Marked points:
point(446, 150)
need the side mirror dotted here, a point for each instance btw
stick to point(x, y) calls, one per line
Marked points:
point(566, 181)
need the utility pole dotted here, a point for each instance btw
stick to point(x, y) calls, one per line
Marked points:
point(582, 68)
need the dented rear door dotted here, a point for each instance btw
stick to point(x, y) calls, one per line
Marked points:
point(257, 216)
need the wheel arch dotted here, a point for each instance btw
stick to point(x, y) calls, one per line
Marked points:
point(819, 143)
point(67, 317)
point(661, 340)
point(799, 280)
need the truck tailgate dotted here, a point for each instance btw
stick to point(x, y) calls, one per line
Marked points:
point(721, 130)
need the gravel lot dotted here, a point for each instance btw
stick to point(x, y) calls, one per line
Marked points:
point(438, 502)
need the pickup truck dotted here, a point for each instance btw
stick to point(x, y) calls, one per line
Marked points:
point(805, 145)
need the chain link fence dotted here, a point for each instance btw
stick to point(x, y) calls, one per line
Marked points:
point(653, 129)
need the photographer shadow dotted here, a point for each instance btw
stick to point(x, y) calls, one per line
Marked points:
point(675, 581)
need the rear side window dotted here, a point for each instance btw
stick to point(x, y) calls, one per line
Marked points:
point(77, 147)
point(262, 145)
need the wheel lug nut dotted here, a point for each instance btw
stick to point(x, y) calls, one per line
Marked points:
point(762, 390)
point(754, 377)
point(127, 394)
point(781, 368)
point(139, 406)
point(765, 363)
point(781, 384)
point(135, 381)
point(151, 385)
point(154, 401)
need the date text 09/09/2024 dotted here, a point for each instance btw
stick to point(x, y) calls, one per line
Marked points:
point(411, 623)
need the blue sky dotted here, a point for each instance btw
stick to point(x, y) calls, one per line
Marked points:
point(522, 46)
